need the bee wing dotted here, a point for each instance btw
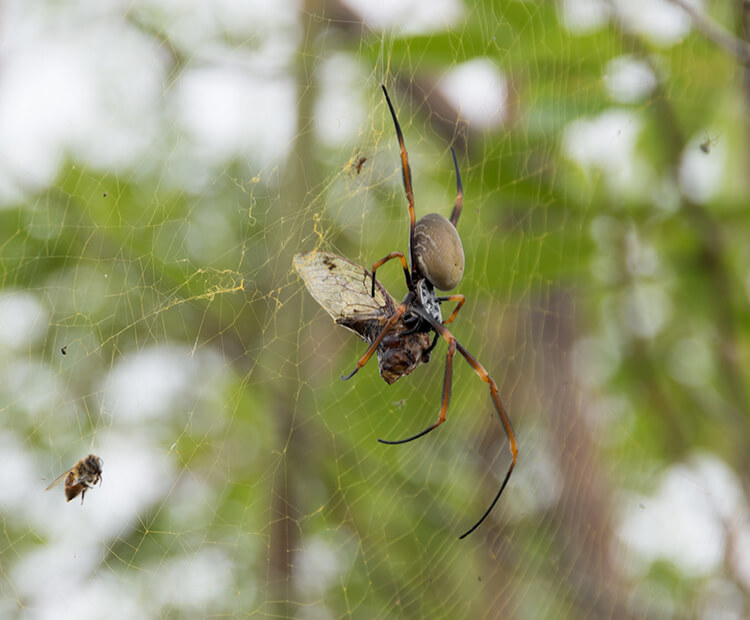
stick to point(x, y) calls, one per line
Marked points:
point(343, 288)
point(58, 480)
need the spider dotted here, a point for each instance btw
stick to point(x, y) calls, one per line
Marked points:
point(708, 143)
point(436, 261)
point(359, 163)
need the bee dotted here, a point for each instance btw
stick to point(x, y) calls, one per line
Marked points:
point(81, 477)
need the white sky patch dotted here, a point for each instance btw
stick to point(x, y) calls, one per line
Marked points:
point(646, 307)
point(628, 80)
point(159, 381)
point(195, 582)
point(663, 22)
point(319, 563)
point(53, 570)
point(33, 388)
point(479, 91)
point(97, 92)
point(17, 475)
point(93, 95)
point(702, 174)
point(583, 16)
point(144, 385)
point(683, 522)
point(200, 27)
point(226, 112)
point(126, 71)
point(339, 109)
point(89, 598)
point(35, 130)
point(607, 143)
point(409, 16)
point(23, 320)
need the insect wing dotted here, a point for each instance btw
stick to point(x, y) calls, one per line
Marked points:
point(58, 480)
point(343, 289)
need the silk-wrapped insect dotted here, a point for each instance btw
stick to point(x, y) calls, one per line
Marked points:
point(343, 289)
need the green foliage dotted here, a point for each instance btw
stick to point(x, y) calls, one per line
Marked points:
point(614, 320)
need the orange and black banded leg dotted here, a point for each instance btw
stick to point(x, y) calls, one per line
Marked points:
point(457, 298)
point(382, 261)
point(453, 346)
point(406, 173)
point(395, 317)
point(479, 369)
point(447, 384)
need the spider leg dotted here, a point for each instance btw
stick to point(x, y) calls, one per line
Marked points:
point(406, 174)
point(479, 369)
point(447, 383)
point(400, 256)
point(393, 319)
point(461, 301)
point(432, 346)
point(459, 192)
point(453, 346)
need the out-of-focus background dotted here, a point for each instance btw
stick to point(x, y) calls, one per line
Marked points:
point(160, 164)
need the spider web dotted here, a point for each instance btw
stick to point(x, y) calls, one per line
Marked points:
point(161, 163)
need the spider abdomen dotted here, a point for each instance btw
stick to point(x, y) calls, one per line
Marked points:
point(438, 252)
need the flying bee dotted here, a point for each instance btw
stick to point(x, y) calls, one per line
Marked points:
point(81, 477)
